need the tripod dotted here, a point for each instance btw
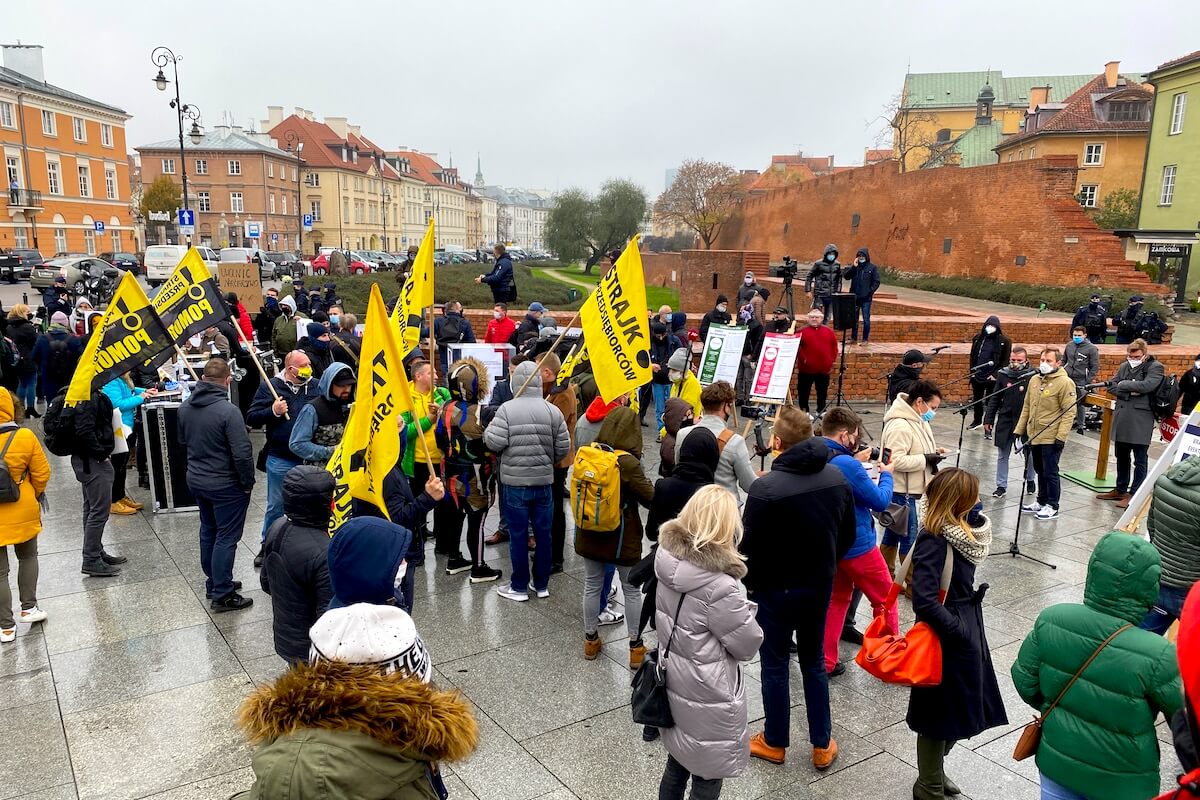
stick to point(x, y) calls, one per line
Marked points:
point(839, 399)
point(1014, 547)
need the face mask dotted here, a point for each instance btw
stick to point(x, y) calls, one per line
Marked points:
point(1019, 366)
point(498, 314)
point(829, 257)
point(722, 308)
point(674, 375)
point(660, 338)
point(1077, 339)
point(749, 281)
point(1046, 368)
point(929, 415)
point(400, 573)
point(272, 303)
point(1198, 365)
point(1135, 362)
point(333, 319)
point(304, 373)
point(320, 344)
point(287, 311)
point(989, 330)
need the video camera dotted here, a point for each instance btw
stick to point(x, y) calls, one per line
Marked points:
point(787, 271)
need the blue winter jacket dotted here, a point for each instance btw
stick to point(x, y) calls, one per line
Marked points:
point(867, 496)
point(125, 398)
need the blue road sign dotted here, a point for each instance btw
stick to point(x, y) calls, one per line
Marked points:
point(308, 221)
point(99, 226)
point(253, 230)
point(186, 217)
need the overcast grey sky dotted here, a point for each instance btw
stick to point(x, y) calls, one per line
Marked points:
point(556, 93)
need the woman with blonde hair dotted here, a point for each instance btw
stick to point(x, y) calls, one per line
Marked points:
point(706, 629)
point(24, 335)
point(967, 701)
point(21, 521)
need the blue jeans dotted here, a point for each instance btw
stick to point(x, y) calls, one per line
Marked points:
point(783, 614)
point(661, 392)
point(277, 469)
point(524, 505)
point(1167, 608)
point(609, 571)
point(27, 390)
point(904, 543)
point(1002, 456)
point(1054, 791)
point(222, 516)
point(862, 307)
point(1045, 464)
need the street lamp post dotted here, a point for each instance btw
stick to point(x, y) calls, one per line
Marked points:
point(294, 140)
point(160, 57)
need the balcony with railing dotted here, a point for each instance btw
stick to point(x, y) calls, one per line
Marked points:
point(23, 200)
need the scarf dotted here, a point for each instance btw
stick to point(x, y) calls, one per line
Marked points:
point(973, 545)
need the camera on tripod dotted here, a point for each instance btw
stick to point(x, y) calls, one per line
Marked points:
point(787, 271)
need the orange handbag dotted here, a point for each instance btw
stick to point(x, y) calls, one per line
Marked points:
point(914, 659)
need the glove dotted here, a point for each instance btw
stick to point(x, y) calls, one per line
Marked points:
point(933, 459)
point(975, 517)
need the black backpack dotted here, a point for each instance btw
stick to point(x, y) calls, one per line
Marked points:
point(451, 330)
point(59, 366)
point(61, 429)
point(1165, 397)
point(1148, 326)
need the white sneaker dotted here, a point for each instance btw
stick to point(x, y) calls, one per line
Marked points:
point(543, 593)
point(32, 615)
point(610, 616)
point(8, 635)
point(1047, 512)
point(1031, 508)
point(509, 593)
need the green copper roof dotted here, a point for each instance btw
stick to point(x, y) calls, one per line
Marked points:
point(974, 147)
point(945, 89)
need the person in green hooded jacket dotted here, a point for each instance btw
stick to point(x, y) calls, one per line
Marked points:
point(1099, 742)
point(1171, 524)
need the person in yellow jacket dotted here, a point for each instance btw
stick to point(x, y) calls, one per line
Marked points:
point(1045, 423)
point(420, 438)
point(684, 384)
point(21, 521)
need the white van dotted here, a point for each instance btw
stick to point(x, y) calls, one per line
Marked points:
point(161, 260)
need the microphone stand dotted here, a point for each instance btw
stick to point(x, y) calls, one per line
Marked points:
point(1014, 547)
point(962, 410)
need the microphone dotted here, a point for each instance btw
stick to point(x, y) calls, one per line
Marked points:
point(984, 365)
point(1100, 385)
point(941, 347)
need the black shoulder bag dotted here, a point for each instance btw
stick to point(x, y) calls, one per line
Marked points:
point(649, 701)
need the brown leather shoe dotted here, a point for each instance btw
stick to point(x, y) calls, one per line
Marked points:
point(1111, 494)
point(496, 538)
point(823, 756)
point(592, 647)
point(1124, 501)
point(760, 749)
point(134, 504)
point(637, 654)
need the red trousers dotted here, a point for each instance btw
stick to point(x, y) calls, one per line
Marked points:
point(869, 573)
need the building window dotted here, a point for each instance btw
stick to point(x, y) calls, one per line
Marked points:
point(271, 203)
point(89, 241)
point(314, 208)
point(168, 166)
point(204, 202)
point(116, 240)
point(85, 181)
point(270, 169)
point(20, 237)
point(345, 208)
point(201, 166)
point(313, 179)
point(1093, 154)
point(48, 126)
point(1128, 111)
point(235, 167)
point(235, 202)
point(1087, 195)
point(295, 175)
point(79, 129)
point(110, 184)
point(8, 117)
point(53, 177)
point(1178, 109)
point(60, 240)
point(1168, 186)
point(283, 204)
point(106, 134)
point(13, 168)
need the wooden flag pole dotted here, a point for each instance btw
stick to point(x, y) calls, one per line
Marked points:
point(432, 351)
point(186, 363)
point(333, 338)
point(562, 335)
point(254, 357)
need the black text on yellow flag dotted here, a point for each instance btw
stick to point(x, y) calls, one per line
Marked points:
point(189, 300)
point(616, 327)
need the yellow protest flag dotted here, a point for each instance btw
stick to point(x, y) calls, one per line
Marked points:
point(370, 445)
point(616, 327)
point(189, 301)
point(416, 296)
point(576, 357)
point(129, 333)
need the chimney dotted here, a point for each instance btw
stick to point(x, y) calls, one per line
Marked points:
point(355, 129)
point(274, 116)
point(298, 112)
point(337, 125)
point(1112, 71)
point(1038, 96)
point(25, 59)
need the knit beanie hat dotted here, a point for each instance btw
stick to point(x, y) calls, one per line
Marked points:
point(678, 360)
point(316, 330)
point(59, 318)
point(913, 357)
point(381, 636)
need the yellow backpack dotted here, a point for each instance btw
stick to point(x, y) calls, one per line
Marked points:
point(596, 488)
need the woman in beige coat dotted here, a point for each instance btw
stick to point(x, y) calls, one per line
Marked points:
point(915, 454)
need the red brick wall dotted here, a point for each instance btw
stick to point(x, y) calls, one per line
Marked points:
point(992, 215)
point(662, 269)
point(707, 273)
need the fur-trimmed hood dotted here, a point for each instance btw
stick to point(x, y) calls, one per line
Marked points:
point(467, 386)
point(677, 541)
point(419, 720)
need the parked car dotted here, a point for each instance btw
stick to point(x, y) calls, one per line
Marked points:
point(126, 261)
point(161, 260)
point(249, 255)
point(75, 271)
point(26, 260)
point(383, 261)
point(357, 266)
point(285, 264)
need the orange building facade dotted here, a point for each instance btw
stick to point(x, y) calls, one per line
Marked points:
point(66, 177)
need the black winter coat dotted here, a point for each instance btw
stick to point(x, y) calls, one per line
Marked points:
point(901, 378)
point(219, 453)
point(321, 358)
point(1003, 409)
point(1189, 390)
point(698, 457)
point(294, 571)
point(996, 348)
point(660, 353)
point(264, 323)
point(502, 280)
point(24, 335)
point(799, 521)
point(864, 278)
point(405, 510)
point(279, 429)
point(342, 344)
point(825, 277)
point(968, 700)
point(713, 317)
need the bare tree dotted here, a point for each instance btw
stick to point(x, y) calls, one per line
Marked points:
point(910, 133)
point(703, 197)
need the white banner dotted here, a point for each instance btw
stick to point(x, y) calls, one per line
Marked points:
point(773, 375)
point(722, 354)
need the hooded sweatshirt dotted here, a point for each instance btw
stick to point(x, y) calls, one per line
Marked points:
point(993, 347)
point(697, 467)
point(529, 432)
point(364, 557)
point(219, 453)
point(1100, 740)
point(864, 278)
point(675, 413)
point(320, 424)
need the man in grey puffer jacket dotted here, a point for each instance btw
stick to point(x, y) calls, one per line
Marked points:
point(1081, 361)
point(531, 436)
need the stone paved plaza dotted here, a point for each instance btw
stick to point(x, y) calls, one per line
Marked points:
point(130, 689)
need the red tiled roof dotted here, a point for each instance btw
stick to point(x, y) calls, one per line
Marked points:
point(319, 143)
point(873, 156)
point(1175, 62)
point(783, 173)
point(1078, 113)
point(425, 168)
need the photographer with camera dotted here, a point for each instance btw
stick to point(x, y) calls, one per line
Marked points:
point(824, 281)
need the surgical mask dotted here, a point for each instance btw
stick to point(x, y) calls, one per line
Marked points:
point(722, 308)
point(929, 415)
point(674, 375)
point(830, 257)
point(1135, 362)
point(333, 319)
point(989, 329)
point(1046, 367)
point(304, 373)
point(749, 281)
point(498, 314)
point(1077, 339)
point(1198, 365)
